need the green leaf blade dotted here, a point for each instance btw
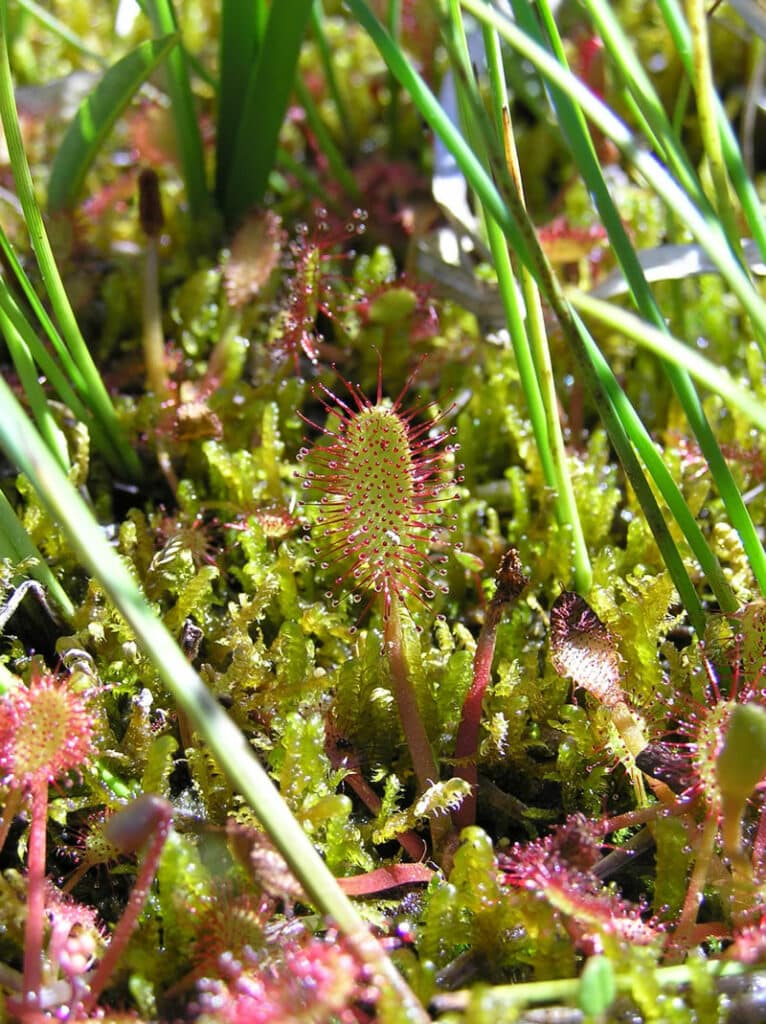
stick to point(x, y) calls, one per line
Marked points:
point(96, 116)
point(264, 107)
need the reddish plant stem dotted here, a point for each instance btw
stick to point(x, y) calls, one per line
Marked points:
point(414, 730)
point(510, 582)
point(410, 841)
point(33, 929)
point(643, 816)
point(129, 919)
point(704, 854)
point(406, 699)
point(759, 846)
point(9, 812)
point(467, 742)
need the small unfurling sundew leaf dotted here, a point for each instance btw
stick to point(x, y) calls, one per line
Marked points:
point(584, 649)
point(253, 255)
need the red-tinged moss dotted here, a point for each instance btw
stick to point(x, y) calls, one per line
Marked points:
point(313, 981)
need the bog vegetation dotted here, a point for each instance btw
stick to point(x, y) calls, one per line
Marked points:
point(381, 525)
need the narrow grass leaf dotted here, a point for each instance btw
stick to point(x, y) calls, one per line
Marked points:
point(570, 91)
point(264, 105)
point(714, 378)
point(95, 118)
point(707, 232)
point(58, 28)
point(242, 28)
point(324, 139)
point(637, 83)
point(740, 179)
point(188, 136)
point(573, 125)
point(121, 456)
point(33, 390)
point(16, 546)
point(513, 218)
point(319, 32)
point(529, 339)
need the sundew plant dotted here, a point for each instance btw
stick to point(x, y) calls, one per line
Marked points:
point(382, 564)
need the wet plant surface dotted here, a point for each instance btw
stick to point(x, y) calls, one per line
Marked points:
point(533, 765)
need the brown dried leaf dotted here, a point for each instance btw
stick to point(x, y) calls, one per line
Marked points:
point(258, 854)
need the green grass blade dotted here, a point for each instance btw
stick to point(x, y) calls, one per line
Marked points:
point(740, 179)
point(666, 485)
point(190, 149)
point(264, 105)
point(69, 366)
point(639, 86)
point(606, 394)
point(65, 379)
point(16, 546)
point(123, 458)
point(637, 82)
point(439, 122)
point(307, 179)
point(33, 390)
point(394, 26)
point(707, 232)
point(242, 28)
point(714, 378)
point(567, 89)
point(533, 366)
point(521, 234)
point(234, 754)
point(328, 69)
point(574, 127)
point(58, 28)
point(335, 159)
point(95, 118)
point(568, 513)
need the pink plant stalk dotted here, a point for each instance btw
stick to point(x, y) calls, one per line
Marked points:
point(46, 731)
point(510, 580)
point(146, 821)
point(381, 486)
